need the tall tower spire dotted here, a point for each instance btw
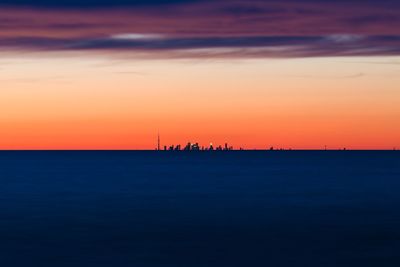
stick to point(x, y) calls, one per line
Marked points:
point(158, 141)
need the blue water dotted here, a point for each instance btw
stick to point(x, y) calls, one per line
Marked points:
point(220, 209)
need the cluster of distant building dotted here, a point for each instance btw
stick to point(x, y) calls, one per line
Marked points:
point(192, 147)
point(196, 147)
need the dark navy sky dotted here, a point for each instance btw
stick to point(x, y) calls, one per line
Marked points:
point(91, 3)
point(110, 3)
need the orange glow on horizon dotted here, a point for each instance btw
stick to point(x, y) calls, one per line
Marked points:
point(293, 103)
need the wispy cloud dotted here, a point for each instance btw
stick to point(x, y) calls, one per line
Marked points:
point(250, 28)
point(255, 46)
point(130, 73)
point(334, 77)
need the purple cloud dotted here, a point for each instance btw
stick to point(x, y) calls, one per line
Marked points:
point(250, 28)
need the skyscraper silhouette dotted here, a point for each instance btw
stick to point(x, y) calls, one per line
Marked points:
point(158, 142)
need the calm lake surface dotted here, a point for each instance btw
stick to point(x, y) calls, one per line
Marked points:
point(220, 209)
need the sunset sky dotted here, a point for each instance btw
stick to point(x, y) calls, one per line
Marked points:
point(112, 74)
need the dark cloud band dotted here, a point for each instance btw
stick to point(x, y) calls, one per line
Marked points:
point(204, 28)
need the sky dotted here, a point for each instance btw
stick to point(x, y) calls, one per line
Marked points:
point(105, 74)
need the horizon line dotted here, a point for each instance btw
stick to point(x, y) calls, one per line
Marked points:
point(199, 151)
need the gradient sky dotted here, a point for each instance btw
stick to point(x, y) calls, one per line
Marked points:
point(111, 74)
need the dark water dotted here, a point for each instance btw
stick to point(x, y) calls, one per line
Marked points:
point(200, 209)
